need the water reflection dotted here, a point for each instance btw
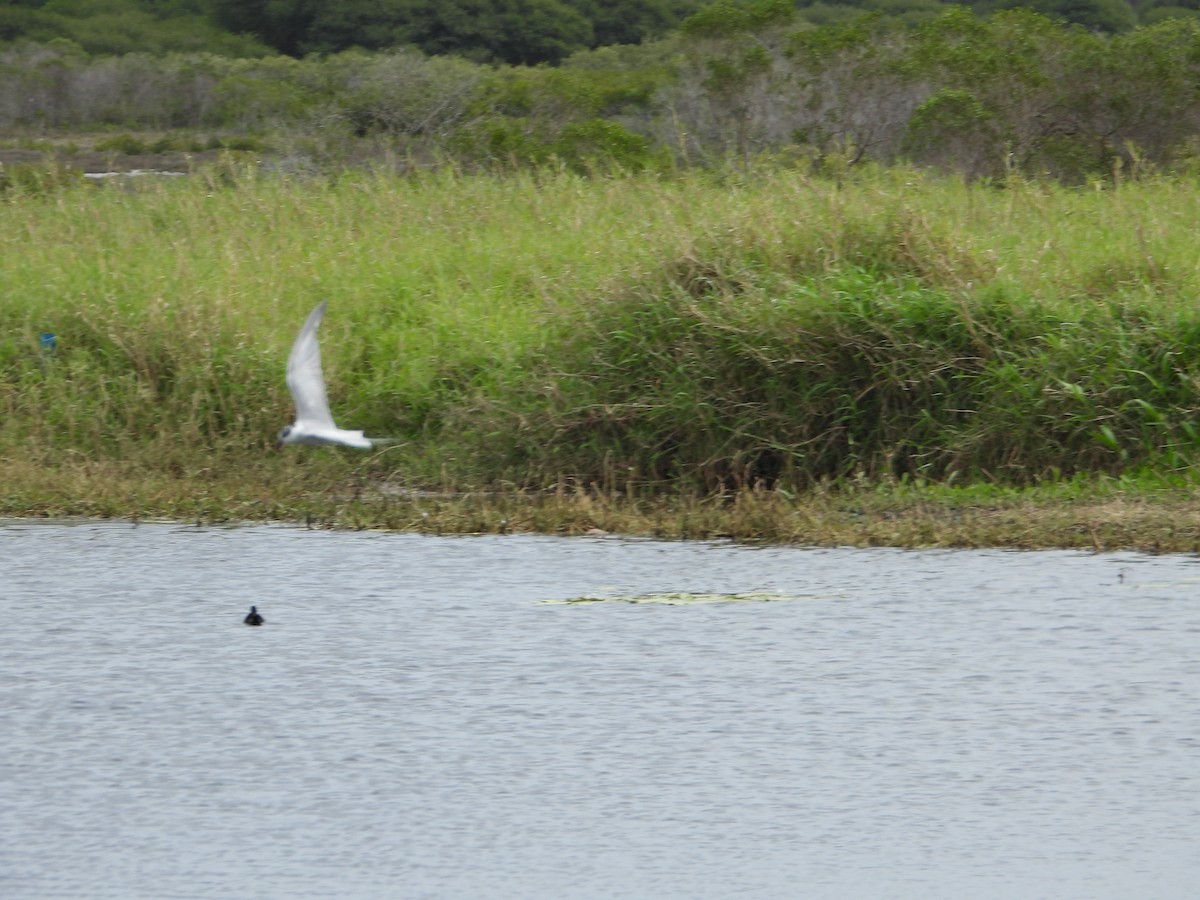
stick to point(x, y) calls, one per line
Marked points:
point(414, 721)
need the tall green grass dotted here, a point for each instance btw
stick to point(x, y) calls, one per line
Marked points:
point(698, 332)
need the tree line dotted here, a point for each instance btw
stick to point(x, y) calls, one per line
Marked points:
point(508, 31)
point(1015, 91)
point(514, 32)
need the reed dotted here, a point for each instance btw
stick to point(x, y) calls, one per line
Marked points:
point(629, 338)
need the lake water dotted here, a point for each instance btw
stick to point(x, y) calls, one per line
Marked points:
point(414, 721)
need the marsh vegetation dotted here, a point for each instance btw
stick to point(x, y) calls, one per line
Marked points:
point(888, 357)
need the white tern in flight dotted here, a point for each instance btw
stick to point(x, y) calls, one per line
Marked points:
point(314, 423)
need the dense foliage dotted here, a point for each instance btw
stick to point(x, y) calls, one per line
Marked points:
point(984, 97)
point(511, 31)
point(124, 26)
point(508, 31)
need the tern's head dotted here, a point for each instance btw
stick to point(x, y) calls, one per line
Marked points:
point(284, 433)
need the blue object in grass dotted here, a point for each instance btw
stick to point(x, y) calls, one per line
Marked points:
point(49, 341)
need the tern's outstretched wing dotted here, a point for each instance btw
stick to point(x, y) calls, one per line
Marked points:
point(304, 378)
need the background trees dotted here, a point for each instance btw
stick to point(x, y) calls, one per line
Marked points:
point(984, 96)
point(509, 31)
point(512, 31)
point(516, 32)
point(125, 26)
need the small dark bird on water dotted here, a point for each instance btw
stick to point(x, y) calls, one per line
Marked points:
point(253, 618)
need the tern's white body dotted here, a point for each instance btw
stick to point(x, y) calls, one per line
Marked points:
point(314, 423)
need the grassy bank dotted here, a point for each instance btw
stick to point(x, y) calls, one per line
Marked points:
point(557, 352)
point(1093, 514)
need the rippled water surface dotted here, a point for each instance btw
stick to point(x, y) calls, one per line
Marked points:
point(413, 720)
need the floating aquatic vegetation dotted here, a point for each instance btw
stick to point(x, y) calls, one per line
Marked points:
point(679, 598)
